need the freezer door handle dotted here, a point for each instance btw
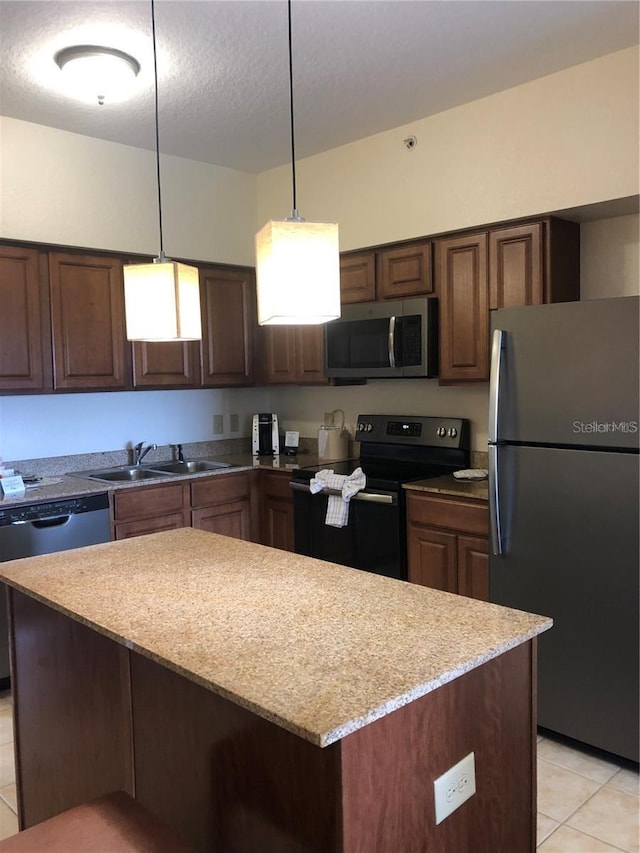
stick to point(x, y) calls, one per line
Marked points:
point(497, 350)
point(494, 502)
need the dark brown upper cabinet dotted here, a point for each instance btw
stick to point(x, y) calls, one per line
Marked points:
point(462, 273)
point(90, 349)
point(25, 348)
point(229, 327)
point(405, 271)
point(294, 355)
point(357, 277)
point(166, 364)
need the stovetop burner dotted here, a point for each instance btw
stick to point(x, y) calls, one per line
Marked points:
point(397, 449)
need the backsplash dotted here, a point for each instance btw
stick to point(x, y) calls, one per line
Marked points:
point(57, 465)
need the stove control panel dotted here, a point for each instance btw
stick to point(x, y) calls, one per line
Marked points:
point(414, 430)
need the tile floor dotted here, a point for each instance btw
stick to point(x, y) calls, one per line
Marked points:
point(585, 804)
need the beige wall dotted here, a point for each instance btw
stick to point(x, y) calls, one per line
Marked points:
point(561, 141)
point(610, 257)
point(59, 187)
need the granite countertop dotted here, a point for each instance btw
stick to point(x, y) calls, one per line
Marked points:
point(61, 486)
point(319, 649)
point(449, 485)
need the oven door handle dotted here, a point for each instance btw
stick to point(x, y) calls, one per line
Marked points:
point(372, 497)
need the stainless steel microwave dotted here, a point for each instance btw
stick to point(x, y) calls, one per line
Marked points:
point(383, 340)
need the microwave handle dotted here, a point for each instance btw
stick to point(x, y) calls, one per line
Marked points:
point(392, 341)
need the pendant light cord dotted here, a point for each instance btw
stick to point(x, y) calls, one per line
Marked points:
point(155, 78)
point(294, 213)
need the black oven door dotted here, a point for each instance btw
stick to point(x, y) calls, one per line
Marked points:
point(372, 540)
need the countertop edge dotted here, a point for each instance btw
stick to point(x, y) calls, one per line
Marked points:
point(318, 739)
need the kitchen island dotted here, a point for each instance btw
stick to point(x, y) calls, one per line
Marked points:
point(254, 699)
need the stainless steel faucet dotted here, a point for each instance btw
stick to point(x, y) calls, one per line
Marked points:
point(140, 451)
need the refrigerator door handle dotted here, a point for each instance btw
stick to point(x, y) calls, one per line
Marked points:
point(494, 502)
point(497, 349)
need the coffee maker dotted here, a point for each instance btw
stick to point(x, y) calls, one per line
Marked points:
point(265, 440)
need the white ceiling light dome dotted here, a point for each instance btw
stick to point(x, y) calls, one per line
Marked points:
point(97, 74)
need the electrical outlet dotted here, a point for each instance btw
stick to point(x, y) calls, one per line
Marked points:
point(454, 787)
point(218, 427)
point(234, 423)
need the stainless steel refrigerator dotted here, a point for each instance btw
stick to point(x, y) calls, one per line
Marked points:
point(563, 489)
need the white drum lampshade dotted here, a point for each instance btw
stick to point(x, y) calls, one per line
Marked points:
point(297, 272)
point(162, 302)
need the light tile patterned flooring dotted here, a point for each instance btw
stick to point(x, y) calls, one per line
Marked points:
point(585, 804)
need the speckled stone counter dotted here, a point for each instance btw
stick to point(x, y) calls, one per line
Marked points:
point(56, 487)
point(254, 699)
point(449, 485)
point(321, 650)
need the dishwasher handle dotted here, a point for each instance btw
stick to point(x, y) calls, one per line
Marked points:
point(48, 521)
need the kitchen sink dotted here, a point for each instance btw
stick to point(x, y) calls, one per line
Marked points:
point(191, 466)
point(129, 474)
point(133, 473)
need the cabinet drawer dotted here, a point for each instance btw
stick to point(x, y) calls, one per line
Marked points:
point(220, 489)
point(466, 516)
point(275, 485)
point(127, 529)
point(156, 500)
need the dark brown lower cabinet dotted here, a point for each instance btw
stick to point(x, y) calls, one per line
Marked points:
point(447, 544)
point(226, 504)
point(142, 510)
point(276, 510)
point(227, 780)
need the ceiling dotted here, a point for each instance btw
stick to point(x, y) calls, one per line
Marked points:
point(360, 66)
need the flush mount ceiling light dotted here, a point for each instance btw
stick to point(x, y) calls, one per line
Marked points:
point(297, 262)
point(162, 299)
point(93, 73)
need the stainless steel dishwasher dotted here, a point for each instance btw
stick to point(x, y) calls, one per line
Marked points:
point(43, 528)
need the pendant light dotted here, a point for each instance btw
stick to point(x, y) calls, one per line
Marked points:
point(297, 262)
point(162, 299)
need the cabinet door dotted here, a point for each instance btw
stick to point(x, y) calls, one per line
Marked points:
point(294, 355)
point(464, 309)
point(432, 558)
point(87, 312)
point(233, 519)
point(405, 271)
point(276, 510)
point(516, 266)
point(142, 510)
point(358, 277)
point(24, 323)
point(309, 354)
point(280, 355)
point(167, 364)
point(473, 567)
point(228, 305)
point(150, 502)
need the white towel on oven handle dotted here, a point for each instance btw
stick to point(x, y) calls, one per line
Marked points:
point(338, 505)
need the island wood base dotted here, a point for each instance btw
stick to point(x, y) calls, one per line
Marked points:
point(92, 717)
